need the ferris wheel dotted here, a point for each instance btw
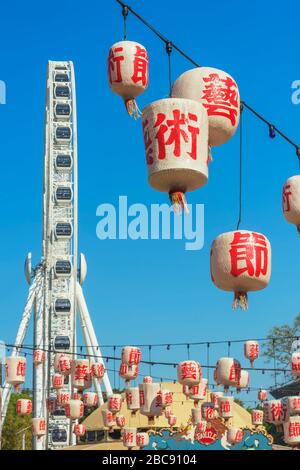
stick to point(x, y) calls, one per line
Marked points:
point(55, 285)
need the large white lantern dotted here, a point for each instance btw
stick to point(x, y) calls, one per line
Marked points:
point(291, 201)
point(275, 412)
point(132, 395)
point(228, 372)
point(74, 409)
point(189, 373)
point(234, 435)
point(131, 355)
point(80, 371)
point(150, 400)
point(15, 370)
point(291, 430)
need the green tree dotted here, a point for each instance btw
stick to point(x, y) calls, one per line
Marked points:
point(11, 437)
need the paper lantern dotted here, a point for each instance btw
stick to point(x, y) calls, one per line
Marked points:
point(38, 427)
point(244, 380)
point(88, 381)
point(198, 392)
point(38, 357)
point(131, 355)
point(114, 403)
point(275, 412)
point(262, 395)
point(257, 417)
point(241, 262)
point(77, 396)
point(214, 397)
point(226, 407)
point(293, 405)
point(63, 398)
point(120, 420)
point(166, 398)
point(251, 351)
point(56, 359)
point(80, 370)
point(172, 420)
point(217, 91)
point(15, 370)
point(176, 144)
point(291, 201)
point(207, 411)
point(147, 380)
point(128, 372)
point(23, 406)
point(132, 399)
point(129, 437)
point(142, 439)
point(79, 430)
point(150, 400)
point(291, 430)
point(295, 364)
point(234, 435)
point(228, 372)
point(90, 399)
point(196, 416)
point(189, 373)
point(74, 409)
point(64, 364)
point(58, 381)
point(109, 419)
point(128, 72)
point(97, 370)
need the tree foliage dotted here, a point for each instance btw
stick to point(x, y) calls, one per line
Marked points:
point(11, 437)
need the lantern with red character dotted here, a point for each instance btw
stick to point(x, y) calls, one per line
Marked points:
point(109, 419)
point(291, 201)
point(131, 355)
point(90, 399)
point(51, 404)
point(132, 395)
point(226, 407)
point(257, 417)
point(147, 379)
point(64, 364)
point(217, 91)
point(114, 403)
point(38, 427)
point(293, 404)
point(295, 364)
point(198, 392)
point(234, 435)
point(176, 145)
point(63, 398)
point(262, 395)
point(207, 411)
point(228, 372)
point(251, 351)
point(241, 262)
point(128, 72)
point(74, 409)
point(57, 381)
point(276, 412)
point(291, 430)
point(150, 400)
point(189, 373)
point(128, 372)
point(23, 406)
point(120, 420)
point(97, 370)
point(142, 439)
point(38, 357)
point(214, 397)
point(172, 420)
point(244, 380)
point(15, 371)
point(80, 370)
point(129, 437)
point(79, 430)
point(200, 429)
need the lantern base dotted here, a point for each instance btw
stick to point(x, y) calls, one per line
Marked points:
point(132, 108)
point(178, 201)
point(240, 301)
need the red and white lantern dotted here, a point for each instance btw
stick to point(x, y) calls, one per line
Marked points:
point(63, 398)
point(166, 398)
point(244, 380)
point(207, 411)
point(172, 420)
point(56, 359)
point(291, 201)
point(80, 370)
point(131, 355)
point(128, 72)
point(214, 398)
point(257, 417)
point(58, 381)
point(251, 351)
point(121, 421)
point(109, 419)
point(88, 381)
point(291, 430)
point(147, 380)
point(23, 406)
point(133, 399)
point(226, 407)
point(262, 395)
point(189, 373)
point(293, 404)
point(90, 399)
point(150, 400)
point(198, 392)
point(234, 435)
point(77, 396)
point(38, 427)
point(15, 370)
point(97, 370)
point(142, 439)
point(295, 364)
point(217, 91)
point(128, 372)
point(79, 430)
point(176, 144)
point(228, 372)
point(241, 262)
point(129, 437)
point(64, 364)
point(74, 409)
point(275, 412)
point(38, 357)
point(114, 403)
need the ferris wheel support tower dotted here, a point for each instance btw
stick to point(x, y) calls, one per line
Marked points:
point(55, 293)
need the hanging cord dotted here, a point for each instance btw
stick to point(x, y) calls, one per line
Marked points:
point(114, 354)
point(125, 14)
point(150, 364)
point(169, 47)
point(241, 168)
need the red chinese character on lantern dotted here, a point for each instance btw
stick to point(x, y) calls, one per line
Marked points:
point(21, 369)
point(294, 429)
point(142, 397)
point(134, 356)
point(296, 403)
point(81, 371)
point(42, 425)
point(235, 372)
point(249, 253)
point(140, 66)
point(128, 437)
point(64, 365)
point(189, 370)
point(239, 436)
point(286, 193)
point(177, 128)
point(168, 398)
point(114, 403)
point(148, 143)
point(221, 96)
point(225, 407)
point(114, 64)
point(276, 410)
point(129, 398)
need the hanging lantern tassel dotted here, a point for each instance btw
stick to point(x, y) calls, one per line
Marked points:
point(209, 155)
point(240, 301)
point(132, 108)
point(178, 201)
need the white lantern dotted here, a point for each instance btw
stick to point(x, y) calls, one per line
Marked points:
point(38, 357)
point(109, 419)
point(217, 91)
point(128, 372)
point(234, 435)
point(291, 201)
point(196, 416)
point(132, 399)
point(15, 370)
point(97, 370)
point(226, 407)
point(56, 359)
point(129, 437)
point(114, 403)
point(23, 406)
point(176, 145)
point(77, 396)
point(198, 392)
point(142, 439)
point(293, 404)
point(150, 400)
point(58, 381)
point(228, 372)
point(120, 420)
point(74, 409)
point(80, 369)
point(64, 364)
point(251, 351)
point(244, 380)
point(189, 373)
point(147, 380)
point(257, 417)
point(207, 411)
point(275, 412)
point(241, 262)
point(90, 399)
point(63, 398)
point(128, 72)
point(295, 364)
point(291, 430)
point(166, 398)
point(131, 355)
point(262, 395)
point(172, 420)
point(38, 427)
point(79, 430)
point(214, 397)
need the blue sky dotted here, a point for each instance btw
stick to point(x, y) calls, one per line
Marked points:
point(152, 291)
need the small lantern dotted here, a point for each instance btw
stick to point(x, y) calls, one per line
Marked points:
point(109, 419)
point(120, 420)
point(97, 370)
point(15, 371)
point(198, 392)
point(23, 406)
point(251, 351)
point(207, 411)
point(38, 427)
point(74, 409)
point(131, 355)
point(114, 403)
point(79, 430)
point(63, 398)
point(226, 407)
point(234, 435)
point(133, 399)
point(291, 201)
point(291, 430)
point(257, 417)
point(64, 364)
point(142, 439)
point(244, 380)
point(295, 365)
point(129, 437)
point(293, 404)
point(172, 420)
point(57, 381)
point(262, 395)
point(80, 370)
point(128, 372)
point(90, 399)
point(214, 398)
point(38, 357)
